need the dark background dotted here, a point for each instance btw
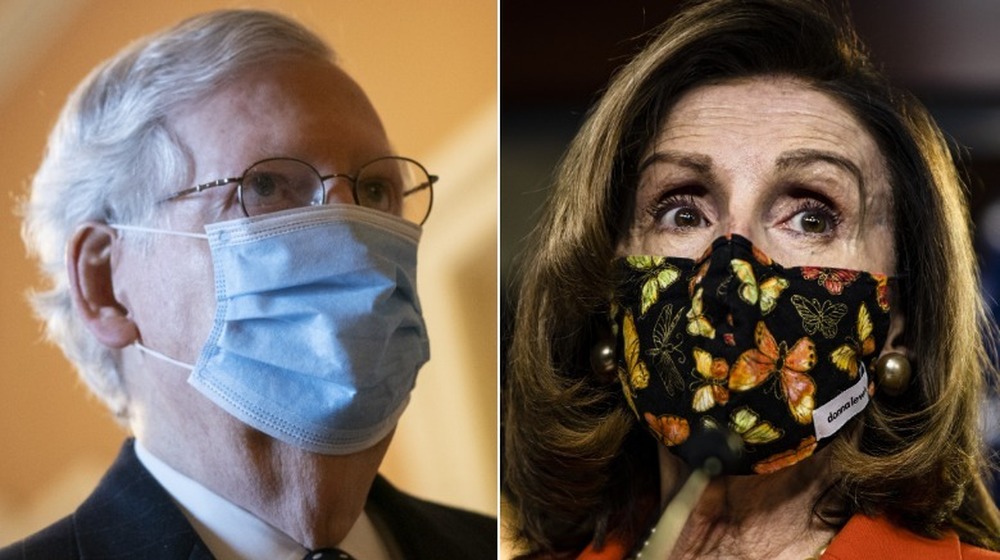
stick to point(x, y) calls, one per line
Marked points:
point(556, 56)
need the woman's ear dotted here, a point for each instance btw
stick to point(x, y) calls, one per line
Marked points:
point(893, 371)
point(895, 342)
point(90, 269)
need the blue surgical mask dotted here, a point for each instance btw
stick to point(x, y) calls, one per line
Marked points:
point(318, 334)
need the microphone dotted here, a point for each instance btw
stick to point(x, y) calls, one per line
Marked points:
point(714, 450)
point(711, 452)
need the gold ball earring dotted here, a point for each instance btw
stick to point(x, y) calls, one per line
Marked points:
point(892, 370)
point(602, 360)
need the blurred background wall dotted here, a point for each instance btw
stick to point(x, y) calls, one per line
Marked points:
point(556, 58)
point(430, 69)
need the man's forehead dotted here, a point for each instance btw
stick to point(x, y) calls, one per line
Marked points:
point(282, 102)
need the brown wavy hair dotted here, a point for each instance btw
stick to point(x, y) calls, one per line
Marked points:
point(577, 465)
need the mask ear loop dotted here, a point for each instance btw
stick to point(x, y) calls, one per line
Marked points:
point(141, 229)
point(162, 357)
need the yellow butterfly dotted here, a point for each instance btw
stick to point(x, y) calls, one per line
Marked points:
point(748, 425)
point(715, 372)
point(658, 275)
point(846, 356)
point(638, 374)
point(627, 390)
point(767, 292)
point(821, 317)
point(698, 323)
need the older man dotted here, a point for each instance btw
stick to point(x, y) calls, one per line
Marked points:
point(239, 288)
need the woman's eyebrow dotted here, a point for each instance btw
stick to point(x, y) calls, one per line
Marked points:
point(697, 162)
point(797, 159)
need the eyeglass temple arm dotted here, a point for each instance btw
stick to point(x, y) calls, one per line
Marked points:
point(432, 179)
point(201, 187)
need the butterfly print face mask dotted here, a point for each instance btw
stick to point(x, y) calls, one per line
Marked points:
point(777, 356)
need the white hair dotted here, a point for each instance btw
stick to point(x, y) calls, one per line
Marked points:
point(112, 151)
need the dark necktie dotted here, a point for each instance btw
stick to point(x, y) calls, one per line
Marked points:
point(327, 554)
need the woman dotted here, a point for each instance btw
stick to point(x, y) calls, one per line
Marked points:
point(754, 239)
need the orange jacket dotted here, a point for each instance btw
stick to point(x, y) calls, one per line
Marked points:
point(863, 538)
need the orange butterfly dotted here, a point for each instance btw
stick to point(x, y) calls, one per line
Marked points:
point(755, 366)
point(714, 371)
point(697, 278)
point(786, 458)
point(882, 290)
point(846, 356)
point(833, 279)
point(671, 430)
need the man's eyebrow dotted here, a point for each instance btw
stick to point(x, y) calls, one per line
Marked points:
point(698, 162)
point(807, 156)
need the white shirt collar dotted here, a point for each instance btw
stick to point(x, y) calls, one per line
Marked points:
point(232, 533)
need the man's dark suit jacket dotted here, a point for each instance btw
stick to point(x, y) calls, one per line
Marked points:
point(130, 516)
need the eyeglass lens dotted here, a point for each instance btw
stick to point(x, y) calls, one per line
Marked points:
point(397, 186)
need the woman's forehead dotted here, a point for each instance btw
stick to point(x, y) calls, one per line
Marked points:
point(766, 121)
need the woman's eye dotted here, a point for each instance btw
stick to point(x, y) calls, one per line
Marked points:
point(815, 222)
point(684, 217)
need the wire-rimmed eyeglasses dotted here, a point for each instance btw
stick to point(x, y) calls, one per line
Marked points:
point(393, 184)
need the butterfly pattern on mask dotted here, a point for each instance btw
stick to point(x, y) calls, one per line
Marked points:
point(833, 279)
point(658, 276)
point(636, 372)
point(756, 379)
point(847, 356)
point(787, 458)
point(712, 386)
point(819, 317)
point(766, 292)
point(699, 324)
point(882, 291)
point(747, 424)
point(791, 365)
point(666, 350)
point(669, 429)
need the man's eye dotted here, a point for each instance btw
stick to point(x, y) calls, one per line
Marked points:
point(262, 185)
point(378, 194)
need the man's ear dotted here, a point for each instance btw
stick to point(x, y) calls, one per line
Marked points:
point(89, 265)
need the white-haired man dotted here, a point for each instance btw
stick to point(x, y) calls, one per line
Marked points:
point(239, 288)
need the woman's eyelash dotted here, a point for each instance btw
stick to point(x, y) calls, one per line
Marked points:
point(668, 202)
point(814, 205)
